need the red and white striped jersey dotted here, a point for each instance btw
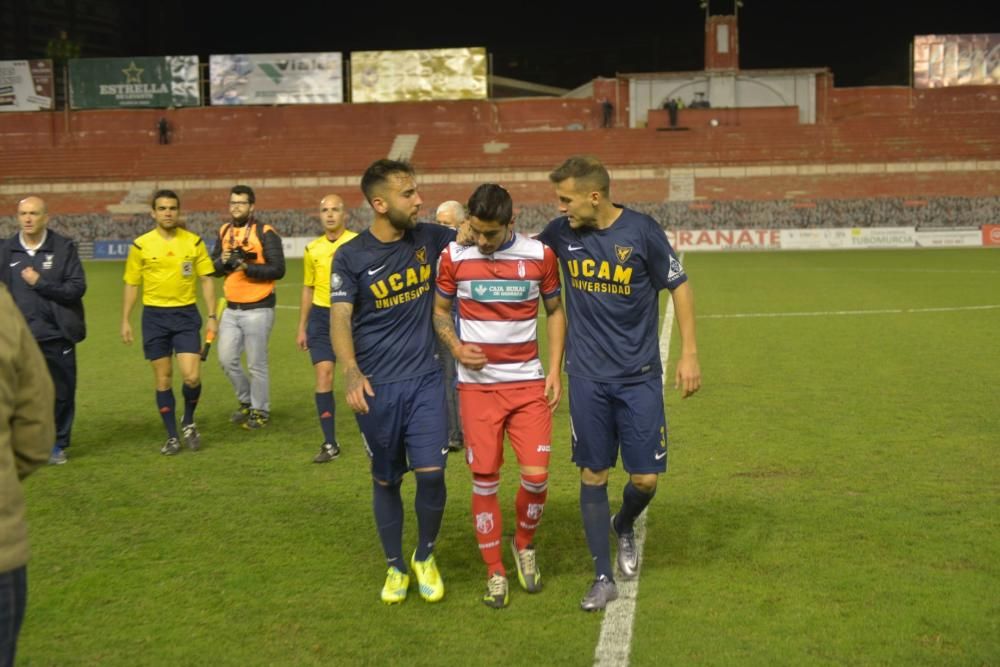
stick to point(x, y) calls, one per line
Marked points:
point(498, 306)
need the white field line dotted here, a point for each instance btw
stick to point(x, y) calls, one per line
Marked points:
point(615, 642)
point(836, 313)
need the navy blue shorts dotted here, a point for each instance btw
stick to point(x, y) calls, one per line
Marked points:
point(169, 330)
point(318, 335)
point(607, 415)
point(406, 427)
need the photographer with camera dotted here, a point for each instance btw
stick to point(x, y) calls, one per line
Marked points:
point(251, 258)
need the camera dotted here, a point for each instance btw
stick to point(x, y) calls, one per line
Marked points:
point(238, 256)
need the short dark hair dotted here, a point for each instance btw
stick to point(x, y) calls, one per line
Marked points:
point(244, 190)
point(164, 194)
point(584, 168)
point(379, 172)
point(491, 203)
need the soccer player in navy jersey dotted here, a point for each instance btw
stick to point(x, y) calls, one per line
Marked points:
point(615, 261)
point(381, 292)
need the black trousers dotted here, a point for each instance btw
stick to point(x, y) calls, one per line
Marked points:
point(60, 355)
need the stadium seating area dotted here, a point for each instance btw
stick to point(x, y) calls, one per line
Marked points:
point(892, 145)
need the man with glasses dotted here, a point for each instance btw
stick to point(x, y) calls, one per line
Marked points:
point(251, 258)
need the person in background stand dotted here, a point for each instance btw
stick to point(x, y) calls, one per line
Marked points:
point(607, 109)
point(314, 316)
point(163, 129)
point(43, 271)
point(451, 214)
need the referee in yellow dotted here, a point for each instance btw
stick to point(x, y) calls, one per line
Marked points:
point(167, 262)
point(314, 316)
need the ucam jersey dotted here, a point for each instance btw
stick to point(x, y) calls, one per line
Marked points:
point(497, 298)
point(614, 277)
point(391, 288)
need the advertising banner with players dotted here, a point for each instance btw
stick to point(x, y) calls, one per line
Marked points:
point(949, 238)
point(724, 239)
point(883, 237)
point(115, 83)
point(991, 235)
point(816, 239)
point(26, 85)
point(834, 238)
point(295, 246)
point(276, 78)
point(410, 76)
point(956, 60)
point(111, 249)
point(842, 238)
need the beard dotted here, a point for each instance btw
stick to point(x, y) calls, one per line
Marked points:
point(400, 220)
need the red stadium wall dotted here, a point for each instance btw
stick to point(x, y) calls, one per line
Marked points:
point(222, 125)
point(858, 128)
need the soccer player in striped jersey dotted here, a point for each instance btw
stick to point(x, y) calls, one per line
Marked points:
point(168, 262)
point(616, 261)
point(380, 320)
point(502, 386)
point(314, 316)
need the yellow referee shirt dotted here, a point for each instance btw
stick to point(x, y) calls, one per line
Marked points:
point(168, 269)
point(318, 260)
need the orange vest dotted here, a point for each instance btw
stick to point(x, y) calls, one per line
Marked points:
point(238, 287)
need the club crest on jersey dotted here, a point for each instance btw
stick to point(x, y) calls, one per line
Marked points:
point(47, 262)
point(520, 269)
point(336, 282)
point(484, 522)
point(675, 269)
point(623, 252)
point(422, 254)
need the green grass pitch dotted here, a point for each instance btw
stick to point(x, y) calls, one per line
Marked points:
point(833, 498)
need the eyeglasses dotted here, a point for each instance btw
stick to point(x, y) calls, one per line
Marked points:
point(238, 203)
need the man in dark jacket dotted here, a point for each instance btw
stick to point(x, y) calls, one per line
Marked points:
point(42, 269)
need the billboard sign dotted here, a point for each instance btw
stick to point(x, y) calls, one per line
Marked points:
point(276, 78)
point(991, 235)
point(956, 60)
point(411, 76)
point(26, 85)
point(115, 83)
